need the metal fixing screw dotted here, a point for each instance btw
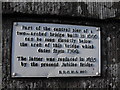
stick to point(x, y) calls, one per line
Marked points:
point(15, 23)
point(97, 73)
point(97, 29)
point(13, 74)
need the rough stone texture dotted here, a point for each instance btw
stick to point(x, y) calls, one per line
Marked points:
point(66, 13)
point(98, 10)
point(0, 45)
point(0, 75)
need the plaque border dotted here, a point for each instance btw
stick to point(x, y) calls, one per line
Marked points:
point(58, 22)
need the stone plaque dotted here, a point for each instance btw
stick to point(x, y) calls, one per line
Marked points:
point(55, 50)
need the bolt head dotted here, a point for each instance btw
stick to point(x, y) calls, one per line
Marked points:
point(13, 74)
point(97, 29)
point(15, 23)
point(97, 73)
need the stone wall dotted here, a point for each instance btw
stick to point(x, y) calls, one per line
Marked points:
point(104, 15)
point(98, 10)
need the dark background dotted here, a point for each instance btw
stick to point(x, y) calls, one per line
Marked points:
point(104, 15)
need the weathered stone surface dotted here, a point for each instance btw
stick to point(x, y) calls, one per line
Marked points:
point(0, 45)
point(98, 10)
point(66, 13)
point(0, 75)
